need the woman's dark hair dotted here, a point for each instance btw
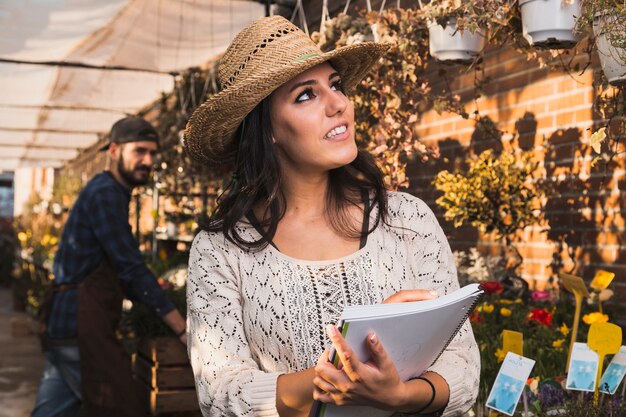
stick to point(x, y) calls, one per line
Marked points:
point(257, 178)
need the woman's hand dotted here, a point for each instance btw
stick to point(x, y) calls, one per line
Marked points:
point(375, 383)
point(405, 296)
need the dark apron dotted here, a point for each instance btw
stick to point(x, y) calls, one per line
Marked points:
point(106, 380)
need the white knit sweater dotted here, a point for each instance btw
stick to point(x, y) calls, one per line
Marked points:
point(255, 315)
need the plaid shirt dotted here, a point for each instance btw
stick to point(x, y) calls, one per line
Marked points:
point(98, 229)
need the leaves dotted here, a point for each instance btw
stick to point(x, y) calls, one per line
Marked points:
point(495, 195)
point(597, 138)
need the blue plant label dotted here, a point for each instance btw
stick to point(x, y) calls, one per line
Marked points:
point(614, 373)
point(583, 369)
point(509, 384)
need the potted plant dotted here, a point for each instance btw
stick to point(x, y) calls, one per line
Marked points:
point(550, 23)
point(452, 38)
point(608, 20)
point(496, 196)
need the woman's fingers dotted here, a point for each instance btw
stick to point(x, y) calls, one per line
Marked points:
point(378, 352)
point(347, 357)
point(324, 385)
point(405, 296)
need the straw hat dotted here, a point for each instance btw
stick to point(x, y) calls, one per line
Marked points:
point(261, 58)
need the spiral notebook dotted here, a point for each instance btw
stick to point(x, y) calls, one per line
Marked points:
point(414, 335)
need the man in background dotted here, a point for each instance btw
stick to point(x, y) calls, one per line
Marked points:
point(97, 265)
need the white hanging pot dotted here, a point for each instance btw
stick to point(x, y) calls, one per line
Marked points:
point(453, 46)
point(550, 23)
point(612, 59)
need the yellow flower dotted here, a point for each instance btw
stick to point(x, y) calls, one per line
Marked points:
point(22, 236)
point(596, 317)
point(500, 354)
point(518, 301)
point(558, 343)
point(488, 308)
point(564, 329)
point(505, 301)
point(505, 312)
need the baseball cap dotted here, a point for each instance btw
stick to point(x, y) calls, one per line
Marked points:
point(131, 129)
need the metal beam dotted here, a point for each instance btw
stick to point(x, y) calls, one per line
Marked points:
point(86, 66)
point(43, 130)
point(38, 146)
point(63, 107)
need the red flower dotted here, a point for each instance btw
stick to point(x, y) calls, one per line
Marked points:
point(540, 295)
point(492, 286)
point(540, 316)
point(475, 317)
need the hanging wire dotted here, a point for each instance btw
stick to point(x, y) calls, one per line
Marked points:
point(325, 15)
point(192, 88)
point(213, 76)
point(205, 87)
point(303, 18)
point(382, 7)
point(345, 9)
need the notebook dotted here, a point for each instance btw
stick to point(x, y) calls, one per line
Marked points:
point(414, 335)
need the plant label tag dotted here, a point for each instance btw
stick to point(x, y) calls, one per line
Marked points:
point(513, 342)
point(583, 369)
point(574, 284)
point(614, 373)
point(509, 384)
point(604, 338)
point(601, 280)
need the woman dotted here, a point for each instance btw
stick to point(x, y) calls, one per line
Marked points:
point(305, 229)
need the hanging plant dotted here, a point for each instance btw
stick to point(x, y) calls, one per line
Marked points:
point(451, 45)
point(458, 29)
point(550, 24)
point(610, 32)
point(608, 20)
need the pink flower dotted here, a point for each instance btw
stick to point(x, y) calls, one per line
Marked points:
point(540, 295)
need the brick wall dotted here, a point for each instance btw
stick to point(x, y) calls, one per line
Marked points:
point(548, 112)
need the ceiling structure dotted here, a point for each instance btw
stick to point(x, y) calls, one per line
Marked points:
point(49, 112)
point(70, 68)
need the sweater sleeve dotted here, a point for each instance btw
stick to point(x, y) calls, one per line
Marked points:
point(434, 268)
point(228, 380)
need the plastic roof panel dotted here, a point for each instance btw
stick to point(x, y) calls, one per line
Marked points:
point(40, 105)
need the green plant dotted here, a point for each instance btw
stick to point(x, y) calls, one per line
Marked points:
point(616, 9)
point(495, 195)
point(544, 319)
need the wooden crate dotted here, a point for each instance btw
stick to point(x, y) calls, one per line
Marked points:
point(164, 377)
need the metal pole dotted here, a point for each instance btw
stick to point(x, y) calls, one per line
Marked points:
point(137, 215)
point(155, 220)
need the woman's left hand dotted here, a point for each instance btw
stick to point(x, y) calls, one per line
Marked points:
point(374, 383)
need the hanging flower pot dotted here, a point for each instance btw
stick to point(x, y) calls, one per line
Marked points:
point(550, 23)
point(453, 46)
point(608, 29)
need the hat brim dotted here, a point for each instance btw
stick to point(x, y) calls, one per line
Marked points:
point(209, 135)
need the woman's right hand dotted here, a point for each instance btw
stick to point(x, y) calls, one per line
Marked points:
point(405, 296)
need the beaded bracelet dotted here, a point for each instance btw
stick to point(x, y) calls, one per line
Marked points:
point(431, 398)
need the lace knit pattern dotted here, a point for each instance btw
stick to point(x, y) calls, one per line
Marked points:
point(255, 315)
